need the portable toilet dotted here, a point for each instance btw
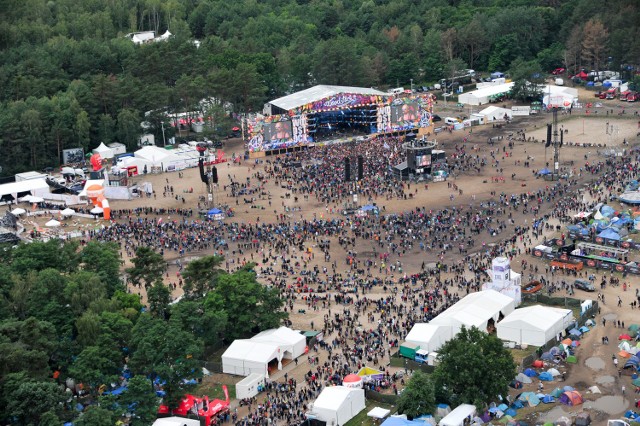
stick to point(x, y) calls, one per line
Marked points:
point(408, 350)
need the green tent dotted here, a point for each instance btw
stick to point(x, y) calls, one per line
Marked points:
point(636, 382)
point(556, 393)
point(572, 359)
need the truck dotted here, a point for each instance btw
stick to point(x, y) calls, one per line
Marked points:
point(623, 95)
point(611, 93)
point(633, 96)
point(408, 350)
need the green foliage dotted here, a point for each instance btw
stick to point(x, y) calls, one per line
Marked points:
point(418, 396)
point(200, 275)
point(30, 401)
point(249, 306)
point(473, 368)
point(141, 393)
point(95, 416)
point(148, 267)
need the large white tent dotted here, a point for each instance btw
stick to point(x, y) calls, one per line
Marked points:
point(37, 187)
point(559, 96)
point(104, 151)
point(495, 113)
point(483, 96)
point(476, 309)
point(336, 405)
point(248, 356)
point(291, 343)
point(245, 357)
point(126, 162)
point(534, 325)
point(161, 158)
point(430, 337)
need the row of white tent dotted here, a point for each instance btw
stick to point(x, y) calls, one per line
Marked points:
point(560, 96)
point(534, 325)
point(152, 157)
point(249, 356)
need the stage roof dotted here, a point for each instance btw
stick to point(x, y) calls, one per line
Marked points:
point(319, 92)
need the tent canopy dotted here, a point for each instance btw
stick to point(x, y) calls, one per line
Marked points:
point(338, 404)
point(458, 415)
point(430, 337)
point(35, 186)
point(534, 325)
point(104, 151)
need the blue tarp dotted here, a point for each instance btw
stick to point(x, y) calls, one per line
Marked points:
point(610, 234)
point(544, 171)
point(214, 211)
point(607, 211)
point(116, 391)
point(397, 421)
point(368, 207)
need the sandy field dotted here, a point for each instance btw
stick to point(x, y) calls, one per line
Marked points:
point(611, 129)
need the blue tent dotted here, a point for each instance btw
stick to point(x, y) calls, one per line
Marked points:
point(517, 405)
point(546, 356)
point(610, 234)
point(213, 211)
point(607, 211)
point(529, 372)
point(544, 171)
point(584, 329)
point(503, 407)
point(368, 207)
point(511, 412)
point(545, 377)
point(548, 399)
point(568, 389)
point(606, 84)
point(575, 332)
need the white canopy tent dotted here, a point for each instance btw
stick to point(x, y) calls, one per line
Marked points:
point(160, 157)
point(176, 421)
point(534, 325)
point(495, 113)
point(125, 162)
point(336, 405)
point(482, 96)
point(245, 357)
point(459, 415)
point(36, 187)
point(291, 343)
point(104, 151)
point(429, 337)
point(476, 309)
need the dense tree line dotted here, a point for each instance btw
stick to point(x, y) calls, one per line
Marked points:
point(69, 77)
point(65, 314)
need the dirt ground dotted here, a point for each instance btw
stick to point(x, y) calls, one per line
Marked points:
point(581, 128)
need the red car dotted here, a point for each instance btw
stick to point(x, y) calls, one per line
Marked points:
point(558, 71)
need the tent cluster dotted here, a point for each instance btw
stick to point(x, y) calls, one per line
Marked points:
point(608, 223)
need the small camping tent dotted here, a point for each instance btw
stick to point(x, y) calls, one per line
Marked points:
point(571, 398)
point(104, 151)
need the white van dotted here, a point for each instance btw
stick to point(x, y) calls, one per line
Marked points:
point(451, 121)
point(397, 91)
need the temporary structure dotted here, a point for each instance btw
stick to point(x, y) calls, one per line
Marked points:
point(476, 309)
point(245, 357)
point(161, 158)
point(176, 421)
point(459, 415)
point(249, 386)
point(494, 113)
point(254, 355)
point(104, 151)
point(429, 337)
point(534, 325)
point(336, 405)
point(484, 95)
point(352, 381)
point(292, 344)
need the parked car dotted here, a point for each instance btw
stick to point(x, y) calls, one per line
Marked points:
point(558, 71)
point(436, 118)
point(584, 285)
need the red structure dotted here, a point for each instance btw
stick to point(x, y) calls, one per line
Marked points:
point(202, 407)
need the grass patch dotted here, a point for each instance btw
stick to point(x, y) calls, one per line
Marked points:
point(214, 390)
point(362, 420)
point(520, 354)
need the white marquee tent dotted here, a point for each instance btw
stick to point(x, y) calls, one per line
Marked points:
point(429, 337)
point(37, 187)
point(245, 357)
point(291, 343)
point(104, 151)
point(476, 309)
point(160, 157)
point(495, 113)
point(336, 405)
point(482, 96)
point(248, 356)
point(534, 325)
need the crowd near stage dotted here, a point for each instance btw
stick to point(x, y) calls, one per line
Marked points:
point(323, 115)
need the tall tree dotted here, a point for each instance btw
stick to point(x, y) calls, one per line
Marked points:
point(200, 275)
point(594, 43)
point(418, 396)
point(474, 367)
point(148, 267)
